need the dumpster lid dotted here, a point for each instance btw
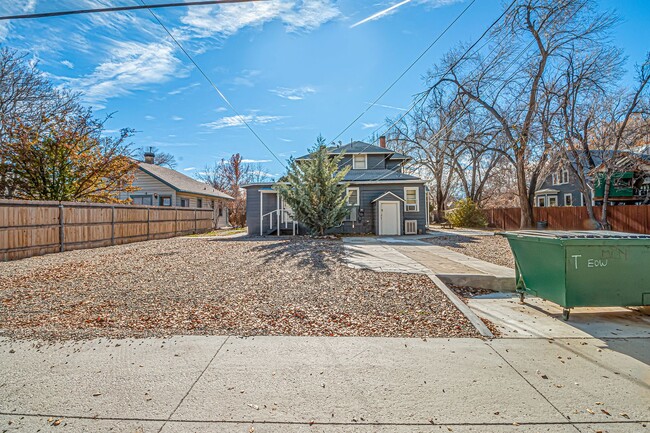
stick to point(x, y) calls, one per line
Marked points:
point(578, 234)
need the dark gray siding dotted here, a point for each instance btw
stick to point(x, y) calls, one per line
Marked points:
point(375, 162)
point(253, 208)
point(573, 188)
point(365, 223)
point(392, 164)
point(368, 222)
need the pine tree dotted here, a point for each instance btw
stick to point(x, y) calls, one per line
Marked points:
point(315, 191)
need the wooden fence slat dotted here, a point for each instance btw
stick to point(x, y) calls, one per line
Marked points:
point(634, 219)
point(31, 228)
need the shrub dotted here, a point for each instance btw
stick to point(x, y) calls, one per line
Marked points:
point(466, 214)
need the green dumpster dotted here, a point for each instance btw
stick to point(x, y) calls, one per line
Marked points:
point(582, 268)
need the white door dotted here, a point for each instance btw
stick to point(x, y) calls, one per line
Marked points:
point(389, 218)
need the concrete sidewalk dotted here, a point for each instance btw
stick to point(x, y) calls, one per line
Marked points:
point(409, 254)
point(284, 384)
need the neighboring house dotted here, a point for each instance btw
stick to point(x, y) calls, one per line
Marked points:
point(562, 186)
point(162, 186)
point(630, 182)
point(382, 199)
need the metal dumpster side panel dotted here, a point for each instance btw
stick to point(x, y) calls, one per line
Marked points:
point(541, 265)
point(610, 272)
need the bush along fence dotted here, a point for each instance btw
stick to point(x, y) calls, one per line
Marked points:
point(31, 228)
point(633, 219)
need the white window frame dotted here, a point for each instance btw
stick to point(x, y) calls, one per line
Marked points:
point(552, 197)
point(555, 178)
point(417, 199)
point(568, 194)
point(354, 161)
point(564, 176)
point(347, 199)
point(541, 201)
point(582, 199)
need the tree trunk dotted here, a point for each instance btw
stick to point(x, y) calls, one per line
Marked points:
point(603, 224)
point(527, 219)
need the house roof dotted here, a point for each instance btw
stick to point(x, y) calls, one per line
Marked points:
point(388, 196)
point(180, 182)
point(382, 175)
point(361, 147)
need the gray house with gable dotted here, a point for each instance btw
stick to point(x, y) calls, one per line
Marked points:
point(381, 198)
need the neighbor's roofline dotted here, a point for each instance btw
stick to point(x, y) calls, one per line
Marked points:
point(222, 195)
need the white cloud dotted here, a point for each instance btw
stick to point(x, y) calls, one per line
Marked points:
point(13, 8)
point(382, 13)
point(220, 109)
point(246, 78)
point(393, 9)
point(253, 161)
point(293, 94)
point(67, 64)
point(183, 89)
point(387, 106)
point(235, 121)
point(177, 118)
point(131, 66)
point(189, 169)
point(148, 117)
point(369, 125)
point(227, 19)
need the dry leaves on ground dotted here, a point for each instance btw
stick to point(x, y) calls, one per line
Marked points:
point(243, 286)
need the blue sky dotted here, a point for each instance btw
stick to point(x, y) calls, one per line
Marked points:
point(293, 69)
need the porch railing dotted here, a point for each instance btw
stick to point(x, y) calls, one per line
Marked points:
point(277, 218)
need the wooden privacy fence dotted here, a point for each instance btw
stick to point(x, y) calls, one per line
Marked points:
point(634, 219)
point(31, 228)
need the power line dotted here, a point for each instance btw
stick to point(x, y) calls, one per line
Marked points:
point(465, 109)
point(214, 86)
point(461, 58)
point(405, 71)
point(121, 8)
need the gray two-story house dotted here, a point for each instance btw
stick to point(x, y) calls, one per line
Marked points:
point(381, 198)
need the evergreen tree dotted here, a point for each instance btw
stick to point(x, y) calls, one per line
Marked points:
point(315, 191)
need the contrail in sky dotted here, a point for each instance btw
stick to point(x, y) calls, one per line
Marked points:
point(380, 13)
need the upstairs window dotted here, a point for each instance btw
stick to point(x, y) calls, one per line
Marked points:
point(561, 177)
point(411, 199)
point(360, 161)
point(199, 202)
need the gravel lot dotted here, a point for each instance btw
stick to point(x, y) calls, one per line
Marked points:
point(493, 249)
point(235, 286)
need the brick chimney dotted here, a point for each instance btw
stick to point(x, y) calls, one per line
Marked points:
point(149, 156)
point(382, 141)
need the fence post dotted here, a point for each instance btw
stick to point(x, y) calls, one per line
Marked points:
point(175, 221)
point(61, 228)
point(112, 225)
point(148, 223)
point(195, 221)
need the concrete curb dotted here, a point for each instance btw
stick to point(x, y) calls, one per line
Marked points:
point(471, 316)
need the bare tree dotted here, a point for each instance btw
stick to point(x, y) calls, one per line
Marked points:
point(164, 159)
point(229, 176)
point(425, 136)
point(518, 102)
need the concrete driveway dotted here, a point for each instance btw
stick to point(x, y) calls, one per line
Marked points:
point(409, 254)
point(314, 384)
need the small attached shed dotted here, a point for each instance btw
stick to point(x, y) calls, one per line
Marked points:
point(388, 214)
